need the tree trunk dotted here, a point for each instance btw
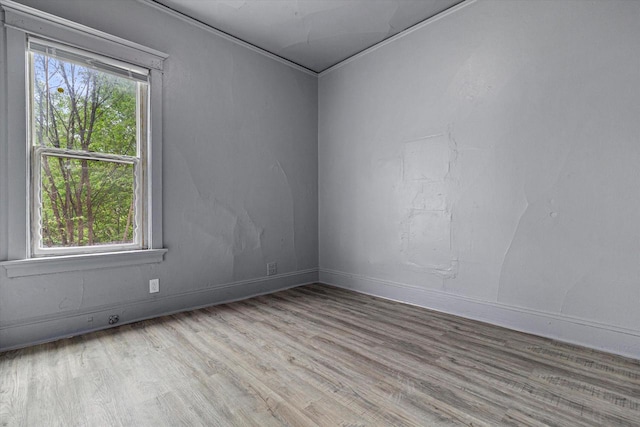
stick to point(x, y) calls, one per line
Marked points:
point(54, 197)
point(129, 219)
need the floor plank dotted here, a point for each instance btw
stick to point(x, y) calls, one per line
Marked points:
point(315, 356)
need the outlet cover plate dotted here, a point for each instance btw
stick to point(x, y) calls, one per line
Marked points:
point(272, 268)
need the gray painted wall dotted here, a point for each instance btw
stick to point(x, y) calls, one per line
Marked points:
point(487, 165)
point(239, 184)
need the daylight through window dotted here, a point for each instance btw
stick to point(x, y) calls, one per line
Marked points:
point(88, 136)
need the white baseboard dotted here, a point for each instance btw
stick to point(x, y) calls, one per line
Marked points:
point(587, 333)
point(38, 330)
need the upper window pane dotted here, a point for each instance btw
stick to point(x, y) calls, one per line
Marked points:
point(84, 108)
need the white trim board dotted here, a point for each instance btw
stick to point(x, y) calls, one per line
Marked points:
point(63, 263)
point(42, 329)
point(599, 336)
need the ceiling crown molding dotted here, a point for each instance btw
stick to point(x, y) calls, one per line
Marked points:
point(226, 36)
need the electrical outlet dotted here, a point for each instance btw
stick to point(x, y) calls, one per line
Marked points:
point(272, 268)
point(113, 319)
point(154, 286)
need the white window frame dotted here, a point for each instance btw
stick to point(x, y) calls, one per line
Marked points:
point(20, 22)
point(138, 161)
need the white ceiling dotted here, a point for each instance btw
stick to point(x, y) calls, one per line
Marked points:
point(316, 34)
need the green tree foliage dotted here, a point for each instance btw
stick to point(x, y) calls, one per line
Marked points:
point(84, 201)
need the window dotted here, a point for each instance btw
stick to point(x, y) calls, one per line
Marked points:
point(88, 121)
point(80, 146)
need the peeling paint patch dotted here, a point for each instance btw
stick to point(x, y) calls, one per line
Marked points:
point(426, 242)
point(246, 235)
point(65, 304)
point(426, 159)
point(426, 219)
point(429, 197)
point(228, 238)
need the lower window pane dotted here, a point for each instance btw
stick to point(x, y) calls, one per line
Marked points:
point(86, 202)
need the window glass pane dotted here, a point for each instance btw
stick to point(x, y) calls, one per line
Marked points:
point(81, 108)
point(86, 202)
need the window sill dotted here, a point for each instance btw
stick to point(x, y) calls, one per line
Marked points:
point(60, 264)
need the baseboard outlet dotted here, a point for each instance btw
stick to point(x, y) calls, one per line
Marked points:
point(599, 336)
point(44, 329)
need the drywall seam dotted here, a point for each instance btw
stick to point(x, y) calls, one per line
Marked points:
point(188, 19)
point(97, 309)
point(304, 277)
point(600, 336)
point(391, 39)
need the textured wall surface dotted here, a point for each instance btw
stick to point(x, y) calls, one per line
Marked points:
point(492, 155)
point(239, 180)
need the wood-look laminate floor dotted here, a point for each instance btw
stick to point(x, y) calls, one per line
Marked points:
point(315, 355)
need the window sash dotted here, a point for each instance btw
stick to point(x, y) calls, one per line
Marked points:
point(139, 161)
point(86, 155)
point(87, 59)
point(137, 224)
